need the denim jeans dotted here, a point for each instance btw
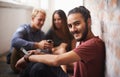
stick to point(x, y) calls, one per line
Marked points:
point(42, 70)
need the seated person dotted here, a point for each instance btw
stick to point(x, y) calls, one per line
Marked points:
point(28, 36)
point(59, 34)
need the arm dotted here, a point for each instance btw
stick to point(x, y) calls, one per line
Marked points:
point(59, 49)
point(55, 60)
point(49, 59)
point(20, 39)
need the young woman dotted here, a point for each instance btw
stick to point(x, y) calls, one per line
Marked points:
point(59, 32)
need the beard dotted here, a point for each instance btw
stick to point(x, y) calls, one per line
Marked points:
point(84, 34)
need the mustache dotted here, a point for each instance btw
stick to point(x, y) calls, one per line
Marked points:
point(75, 32)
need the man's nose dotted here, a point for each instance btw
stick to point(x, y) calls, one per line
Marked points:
point(42, 22)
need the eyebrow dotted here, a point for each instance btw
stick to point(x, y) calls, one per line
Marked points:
point(74, 22)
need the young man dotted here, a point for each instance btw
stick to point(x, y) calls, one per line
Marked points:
point(89, 55)
point(28, 36)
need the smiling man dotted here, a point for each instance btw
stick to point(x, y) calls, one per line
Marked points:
point(89, 55)
point(29, 36)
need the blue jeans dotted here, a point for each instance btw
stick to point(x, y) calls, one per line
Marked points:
point(42, 70)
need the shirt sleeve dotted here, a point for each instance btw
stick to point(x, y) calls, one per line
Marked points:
point(19, 39)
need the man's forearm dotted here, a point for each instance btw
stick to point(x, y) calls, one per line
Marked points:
point(18, 43)
point(46, 59)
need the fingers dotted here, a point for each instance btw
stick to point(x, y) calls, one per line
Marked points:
point(44, 44)
point(47, 44)
point(32, 52)
point(18, 67)
point(21, 64)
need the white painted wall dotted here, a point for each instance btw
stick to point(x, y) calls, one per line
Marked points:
point(11, 16)
point(67, 5)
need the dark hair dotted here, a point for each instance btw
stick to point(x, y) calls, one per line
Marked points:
point(82, 10)
point(65, 31)
point(62, 15)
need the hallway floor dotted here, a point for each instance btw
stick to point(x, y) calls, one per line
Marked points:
point(5, 70)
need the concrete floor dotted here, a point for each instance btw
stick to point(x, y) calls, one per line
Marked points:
point(5, 70)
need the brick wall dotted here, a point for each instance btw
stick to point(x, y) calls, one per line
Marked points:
point(106, 24)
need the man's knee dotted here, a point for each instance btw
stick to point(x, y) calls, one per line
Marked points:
point(39, 70)
point(15, 56)
point(39, 66)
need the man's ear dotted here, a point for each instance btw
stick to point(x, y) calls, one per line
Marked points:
point(32, 18)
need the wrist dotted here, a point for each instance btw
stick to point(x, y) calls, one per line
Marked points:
point(26, 58)
point(36, 45)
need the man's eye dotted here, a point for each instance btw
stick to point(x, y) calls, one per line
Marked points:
point(69, 25)
point(77, 23)
point(39, 19)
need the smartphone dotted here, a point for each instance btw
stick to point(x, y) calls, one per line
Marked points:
point(23, 50)
point(49, 41)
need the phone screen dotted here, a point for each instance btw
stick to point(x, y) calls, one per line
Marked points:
point(23, 50)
